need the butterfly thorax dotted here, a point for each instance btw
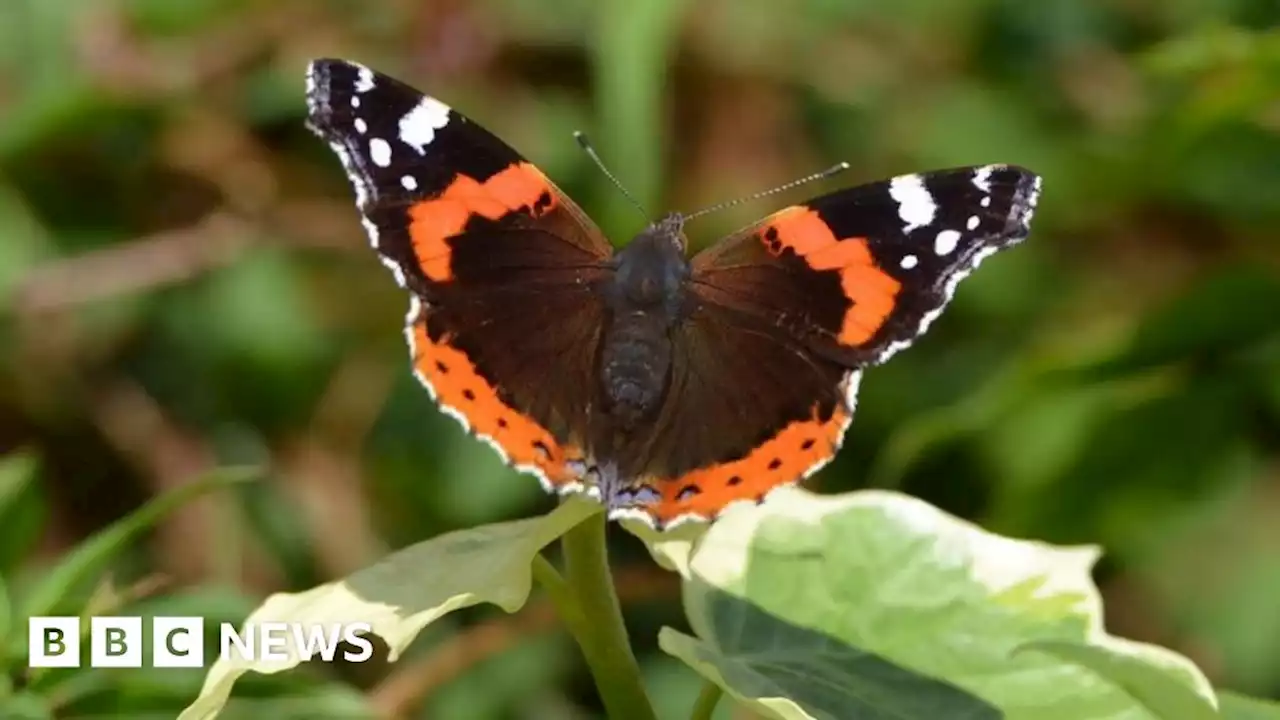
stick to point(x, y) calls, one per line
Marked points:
point(644, 301)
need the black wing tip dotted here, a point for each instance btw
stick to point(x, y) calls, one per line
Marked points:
point(1025, 196)
point(323, 87)
point(325, 66)
point(1020, 185)
point(1027, 181)
point(319, 90)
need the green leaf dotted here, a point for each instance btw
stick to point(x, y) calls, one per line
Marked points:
point(81, 567)
point(26, 243)
point(26, 706)
point(408, 590)
point(807, 605)
point(1153, 676)
point(6, 625)
point(22, 508)
point(1240, 707)
point(785, 671)
point(17, 471)
point(671, 549)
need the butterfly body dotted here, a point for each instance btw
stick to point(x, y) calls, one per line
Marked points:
point(645, 300)
point(668, 386)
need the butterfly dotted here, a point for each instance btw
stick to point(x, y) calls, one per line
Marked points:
point(666, 386)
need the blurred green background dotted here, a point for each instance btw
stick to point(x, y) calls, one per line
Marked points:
point(184, 285)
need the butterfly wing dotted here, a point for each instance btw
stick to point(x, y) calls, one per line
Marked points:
point(787, 312)
point(746, 411)
point(502, 266)
point(860, 273)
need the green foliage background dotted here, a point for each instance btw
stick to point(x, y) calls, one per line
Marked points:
point(184, 286)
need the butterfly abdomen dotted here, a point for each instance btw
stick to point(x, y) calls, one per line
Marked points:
point(645, 298)
point(634, 364)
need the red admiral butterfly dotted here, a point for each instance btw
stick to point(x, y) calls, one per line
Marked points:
point(666, 386)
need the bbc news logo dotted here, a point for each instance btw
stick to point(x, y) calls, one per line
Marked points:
point(178, 642)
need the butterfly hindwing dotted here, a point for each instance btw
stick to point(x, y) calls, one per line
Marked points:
point(747, 411)
point(502, 265)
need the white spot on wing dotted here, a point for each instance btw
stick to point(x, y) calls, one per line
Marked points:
point(418, 127)
point(364, 79)
point(915, 205)
point(408, 182)
point(948, 291)
point(361, 126)
point(909, 261)
point(973, 222)
point(1021, 212)
point(982, 178)
point(946, 241)
point(380, 152)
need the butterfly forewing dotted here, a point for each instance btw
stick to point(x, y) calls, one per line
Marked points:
point(861, 273)
point(503, 267)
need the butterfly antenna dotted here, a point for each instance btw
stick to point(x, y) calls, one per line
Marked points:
point(833, 170)
point(586, 146)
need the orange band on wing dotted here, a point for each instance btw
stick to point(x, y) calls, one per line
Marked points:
point(871, 291)
point(796, 450)
point(459, 388)
point(432, 222)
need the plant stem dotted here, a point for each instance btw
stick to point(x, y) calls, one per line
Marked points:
point(560, 595)
point(603, 637)
point(707, 699)
point(6, 619)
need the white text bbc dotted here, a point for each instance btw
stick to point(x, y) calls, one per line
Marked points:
point(179, 641)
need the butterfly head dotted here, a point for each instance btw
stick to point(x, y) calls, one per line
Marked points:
point(652, 268)
point(670, 231)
